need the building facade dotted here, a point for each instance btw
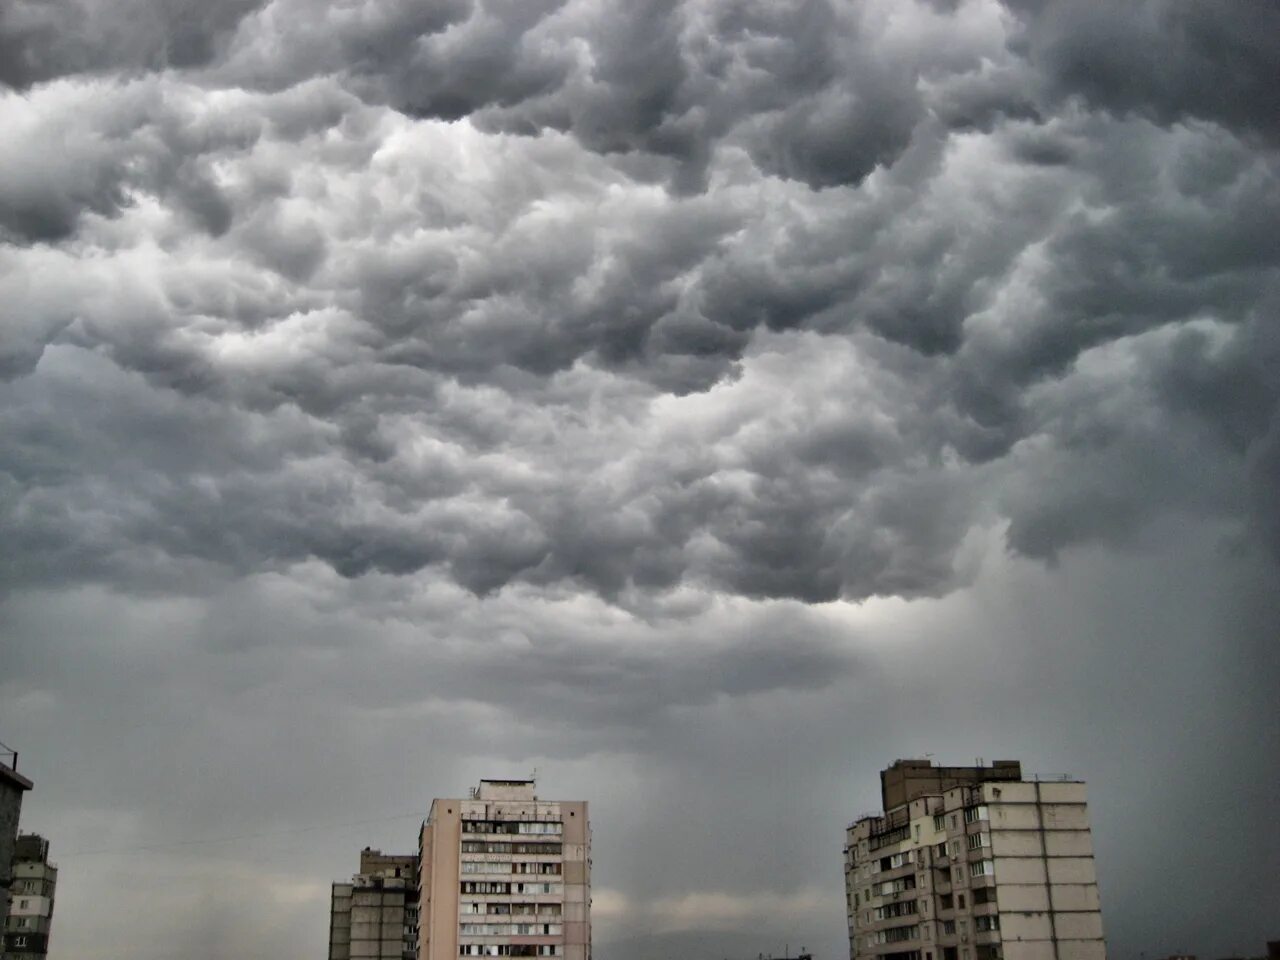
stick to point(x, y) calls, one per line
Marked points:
point(375, 915)
point(973, 863)
point(12, 786)
point(505, 874)
point(35, 879)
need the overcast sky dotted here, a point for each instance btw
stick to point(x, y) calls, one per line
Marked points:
point(700, 403)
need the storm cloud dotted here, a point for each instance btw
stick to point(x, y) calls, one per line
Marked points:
point(624, 387)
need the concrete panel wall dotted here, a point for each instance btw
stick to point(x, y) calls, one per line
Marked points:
point(1024, 926)
point(1068, 843)
point(1028, 950)
point(1019, 870)
point(1078, 926)
point(1072, 870)
point(1075, 896)
point(1014, 816)
point(1032, 897)
point(1059, 792)
point(1015, 843)
point(1009, 792)
point(1060, 816)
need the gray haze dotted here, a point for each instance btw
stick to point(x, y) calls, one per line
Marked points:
point(702, 403)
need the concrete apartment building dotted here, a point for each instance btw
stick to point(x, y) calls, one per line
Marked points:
point(375, 915)
point(26, 929)
point(973, 863)
point(12, 786)
point(505, 874)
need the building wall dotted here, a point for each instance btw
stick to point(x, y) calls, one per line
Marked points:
point(440, 879)
point(374, 916)
point(12, 786)
point(985, 869)
point(559, 919)
point(33, 887)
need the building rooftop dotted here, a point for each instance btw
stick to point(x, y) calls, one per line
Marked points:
point(905, 780)
point(505, 790)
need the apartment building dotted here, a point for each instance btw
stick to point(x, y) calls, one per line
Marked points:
point(973, 863)
point(505, 874)
point(26, 929)
point(375, 915)
point(12, 786)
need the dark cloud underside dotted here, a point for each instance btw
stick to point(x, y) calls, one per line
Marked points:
point(599, 343)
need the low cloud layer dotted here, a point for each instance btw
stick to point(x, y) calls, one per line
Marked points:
point(591, 362)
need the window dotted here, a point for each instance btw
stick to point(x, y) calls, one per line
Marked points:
point(900, 908)
point(947, 902)
point(984, 895)
point(895, 886)
point(953, 819)
point(982, 924)
point(948, 926)
point(974, 814)
point(939, 822)
point(960, 900)
point(982, 868)
point(979, 840)
point(941, 849)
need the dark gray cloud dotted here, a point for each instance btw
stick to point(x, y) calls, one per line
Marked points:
point(45, 40)
point(665, 393)
point(1167, 61)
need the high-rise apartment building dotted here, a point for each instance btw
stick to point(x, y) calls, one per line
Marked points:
point(973, 863)
point(505, 874)
point(26, 929)
point(375, 915)
point(12, 786)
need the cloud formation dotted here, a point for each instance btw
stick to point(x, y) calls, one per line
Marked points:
point(601, 354)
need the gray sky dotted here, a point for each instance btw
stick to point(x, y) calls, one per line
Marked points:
point(702, 403)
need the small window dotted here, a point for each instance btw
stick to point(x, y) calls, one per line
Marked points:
point(960, 900)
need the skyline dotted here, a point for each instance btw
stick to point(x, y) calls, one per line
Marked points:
point(704, 403)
